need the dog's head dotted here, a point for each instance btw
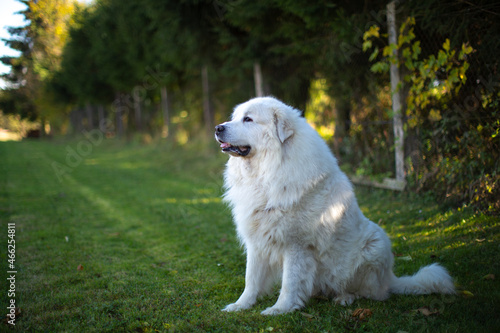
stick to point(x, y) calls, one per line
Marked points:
point(259, 125)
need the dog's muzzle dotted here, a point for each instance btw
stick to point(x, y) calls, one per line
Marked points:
point(220, 133)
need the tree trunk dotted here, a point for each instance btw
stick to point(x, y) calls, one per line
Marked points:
point(77, 120)
point(396, 97)
point(137, 109)
point(257, 74)
point(100, 116)
point(207, 109)
point(90, 118)
point(42, 127)
point(165, 111)
point(342, 123)
point(119, 115)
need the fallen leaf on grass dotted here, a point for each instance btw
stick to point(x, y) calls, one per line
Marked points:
point(489, 277)
point(79, 268)
point(466, 293)
point(362, 313)
point(160, 264)
point(426, 312)
point(406, 258)
point(307, 315)
point(17, 314)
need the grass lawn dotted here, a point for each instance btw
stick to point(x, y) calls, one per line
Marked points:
point(132, 238)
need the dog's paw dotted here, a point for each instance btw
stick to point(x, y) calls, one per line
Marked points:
point(272, 311)
point(345, 299)
point(235, 307)
point(275, 310)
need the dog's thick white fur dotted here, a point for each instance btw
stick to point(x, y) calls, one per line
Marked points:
point(297, 216)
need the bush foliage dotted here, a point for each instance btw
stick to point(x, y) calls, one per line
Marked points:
point(458, 146)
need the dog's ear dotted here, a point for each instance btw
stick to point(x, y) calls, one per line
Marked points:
point(283, 126)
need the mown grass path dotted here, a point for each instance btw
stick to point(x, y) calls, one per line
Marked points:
point(123, 237)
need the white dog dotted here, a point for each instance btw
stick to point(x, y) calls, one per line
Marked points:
point(297, 216)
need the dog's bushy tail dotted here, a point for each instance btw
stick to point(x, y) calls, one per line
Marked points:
point(429, 279)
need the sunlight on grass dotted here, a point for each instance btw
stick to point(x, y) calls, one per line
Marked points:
point(193, 201)
point(133, 165)
point(91, 161)
point(109, 210)
point(455, 245)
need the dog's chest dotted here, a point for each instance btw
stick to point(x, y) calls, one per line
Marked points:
point(266, 238)
point(266, 227)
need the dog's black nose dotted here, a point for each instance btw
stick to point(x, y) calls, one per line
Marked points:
point(219, 128)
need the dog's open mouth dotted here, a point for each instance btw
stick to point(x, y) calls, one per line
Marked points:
point(235, 150)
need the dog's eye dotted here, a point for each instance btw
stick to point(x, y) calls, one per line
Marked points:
point(247, 119)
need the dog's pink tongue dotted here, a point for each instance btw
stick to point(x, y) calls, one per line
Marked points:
point(225, 145)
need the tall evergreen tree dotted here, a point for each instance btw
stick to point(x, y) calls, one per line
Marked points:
point(40, 44)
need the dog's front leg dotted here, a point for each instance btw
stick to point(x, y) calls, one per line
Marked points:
point(256, 281)
point(299, 270)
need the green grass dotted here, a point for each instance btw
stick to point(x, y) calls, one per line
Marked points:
point(159, 251)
